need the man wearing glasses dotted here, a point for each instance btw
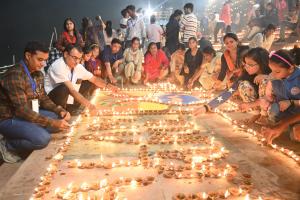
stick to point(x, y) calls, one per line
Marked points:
point(62, 82)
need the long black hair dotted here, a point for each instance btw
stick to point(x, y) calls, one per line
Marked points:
point(74, 30)
point(149, 47)
point(108, 28)
point(283, 58)
point(261, 57)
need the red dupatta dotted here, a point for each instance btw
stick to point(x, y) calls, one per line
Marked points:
point(69, 39)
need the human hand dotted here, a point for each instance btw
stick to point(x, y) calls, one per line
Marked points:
point(112, 79)
point(259, 78)
point(92, 109)
point(284, 105)
point(65, 115)
point(61, 124)
point(244, 107)
point(113, 88)
point(264, 104)
point(97, 72)
point(271, 133)
point(186, 70)
point(190, 84)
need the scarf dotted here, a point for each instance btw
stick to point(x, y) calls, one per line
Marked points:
point(69, 39)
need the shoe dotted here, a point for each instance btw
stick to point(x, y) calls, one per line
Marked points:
point(8, 156)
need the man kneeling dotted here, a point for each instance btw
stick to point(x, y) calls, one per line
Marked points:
point(64, 77)
point(27, 115)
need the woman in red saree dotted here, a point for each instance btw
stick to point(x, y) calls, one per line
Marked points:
point(156, 64)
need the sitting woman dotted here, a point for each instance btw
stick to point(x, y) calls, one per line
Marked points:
point(192, 60)
point(231, 61)
point(176, 65)
point(69, 36)
point(133, 61)
point(209, 70)
point(251, 84)
point(264, 39)
point(156, 64)
point(283, 94)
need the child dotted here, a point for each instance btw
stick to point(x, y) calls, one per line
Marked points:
point(251, 84)
point(282, 95)
point(93, 65)
point(209, 70)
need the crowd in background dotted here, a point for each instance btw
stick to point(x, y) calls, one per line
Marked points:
point(182, 52)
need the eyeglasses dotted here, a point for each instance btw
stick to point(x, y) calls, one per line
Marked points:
point(76, 59)
point(249, 65)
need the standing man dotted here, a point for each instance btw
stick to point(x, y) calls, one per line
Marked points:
point(135, 27)
point(27, 115)
point(62, 83)
point(188, 24)
point(123, 26)
point(154, 32)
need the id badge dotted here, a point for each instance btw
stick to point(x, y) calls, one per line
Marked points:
point(35, 105)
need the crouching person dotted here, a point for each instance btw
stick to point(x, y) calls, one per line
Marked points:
point(133, 61)
point(63, 81)
point(27, 115)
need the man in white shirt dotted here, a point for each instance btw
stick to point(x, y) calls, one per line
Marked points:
point(189, 23)
point(62, 82)
point(135, 27)
point(123, 24)
point(154, 32)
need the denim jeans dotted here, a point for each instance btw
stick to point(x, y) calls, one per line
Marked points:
point(276, 115)
point(21, 135)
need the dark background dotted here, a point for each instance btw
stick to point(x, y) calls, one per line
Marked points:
point(25, 20)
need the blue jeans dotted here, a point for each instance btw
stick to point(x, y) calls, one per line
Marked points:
point(276, 115)
point(21, 135)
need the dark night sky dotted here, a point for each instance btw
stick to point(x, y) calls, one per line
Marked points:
point(26, 20)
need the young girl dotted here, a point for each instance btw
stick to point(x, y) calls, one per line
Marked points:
point(251, 83)
point(282, 94)
point(209, 70)
point(156, 65)
point(192, 60)
point(133, 59)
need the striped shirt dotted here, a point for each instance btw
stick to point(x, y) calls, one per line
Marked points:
point(189, 26)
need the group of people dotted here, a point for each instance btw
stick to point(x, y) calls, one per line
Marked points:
point(38, 94)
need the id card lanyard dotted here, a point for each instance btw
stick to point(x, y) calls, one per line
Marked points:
point(32, 82)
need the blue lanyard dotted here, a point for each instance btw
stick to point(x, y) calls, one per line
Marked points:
point(32, 82)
